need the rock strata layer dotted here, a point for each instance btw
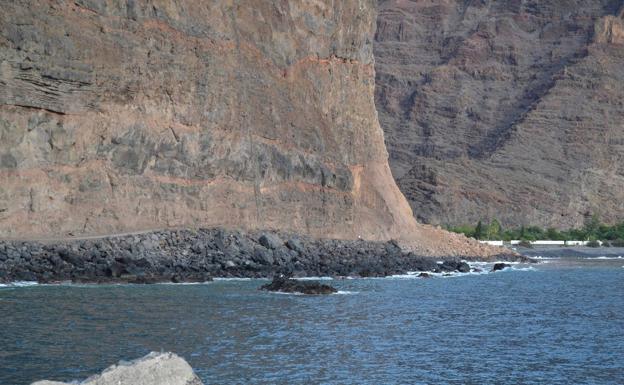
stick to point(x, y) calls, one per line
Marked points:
point(198, 256)
point(507, 109)
point(153, 369)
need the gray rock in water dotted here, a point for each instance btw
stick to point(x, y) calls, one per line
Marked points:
point(153, 369)
point(288, 285)
point(500, 266)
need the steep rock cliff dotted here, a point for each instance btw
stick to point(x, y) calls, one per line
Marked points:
point(120, 116)
point(508, 109)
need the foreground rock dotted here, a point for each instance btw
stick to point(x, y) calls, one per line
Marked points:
point(198, 255)
point(284, 284)
point(153, 369)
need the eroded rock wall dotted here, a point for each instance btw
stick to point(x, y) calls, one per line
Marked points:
point(119, 116)
point(507, 109)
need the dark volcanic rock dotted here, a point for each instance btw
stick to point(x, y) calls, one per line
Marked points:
point(199, 255)
point(295, 245)
point(500, 266)
point(284, 284)
point(270, 241)
point(509, 109)
point(463, 267)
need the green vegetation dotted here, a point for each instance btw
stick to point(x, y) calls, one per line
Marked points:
point(593, 230)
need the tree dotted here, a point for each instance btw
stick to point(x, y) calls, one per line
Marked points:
point(592, 225)
point(494, 230)
point(479, 231)
point(554, 235)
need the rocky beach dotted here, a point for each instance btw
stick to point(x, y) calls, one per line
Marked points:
point(203, 254)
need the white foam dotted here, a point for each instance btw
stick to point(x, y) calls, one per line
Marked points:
point(398, 276)
point(339, 292)
point(314, 279)
point(608, 258)
point(181, 283)
point(528, 268)
point(480, 263)
point(283, 293)
point(23, 284)
point(454, 274)
point(232, 279)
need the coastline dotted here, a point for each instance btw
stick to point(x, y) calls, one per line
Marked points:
point(203, 254)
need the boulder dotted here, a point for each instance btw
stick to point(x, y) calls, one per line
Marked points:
point(153, 369)
point(284, 284)
point(270, 241)
point(295, 244)
point(463, 267)
point(263, 256)
point(447, 266)
point(500, 266)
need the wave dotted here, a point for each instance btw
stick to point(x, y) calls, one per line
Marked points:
point(314, 279)
point(235, 279)
point(179, 283)
point(20, 284)
point(340, 292)
point(607, 258)
point(282, 293)
point(545, 258)
point(528, 268)
point(454, 274)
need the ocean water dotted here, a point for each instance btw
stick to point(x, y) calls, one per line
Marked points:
point(558, 322)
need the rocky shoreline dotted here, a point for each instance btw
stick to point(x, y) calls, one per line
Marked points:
point(203, 254)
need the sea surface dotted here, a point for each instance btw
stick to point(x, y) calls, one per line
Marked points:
point(557, 322)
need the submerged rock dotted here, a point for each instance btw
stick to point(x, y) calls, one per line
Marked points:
point(153, 369)
point(453, 266)
point(284, 284)
point(500, 266)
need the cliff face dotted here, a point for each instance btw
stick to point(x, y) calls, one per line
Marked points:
point(127, 115)
point(122, 116)
point(507, 109)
